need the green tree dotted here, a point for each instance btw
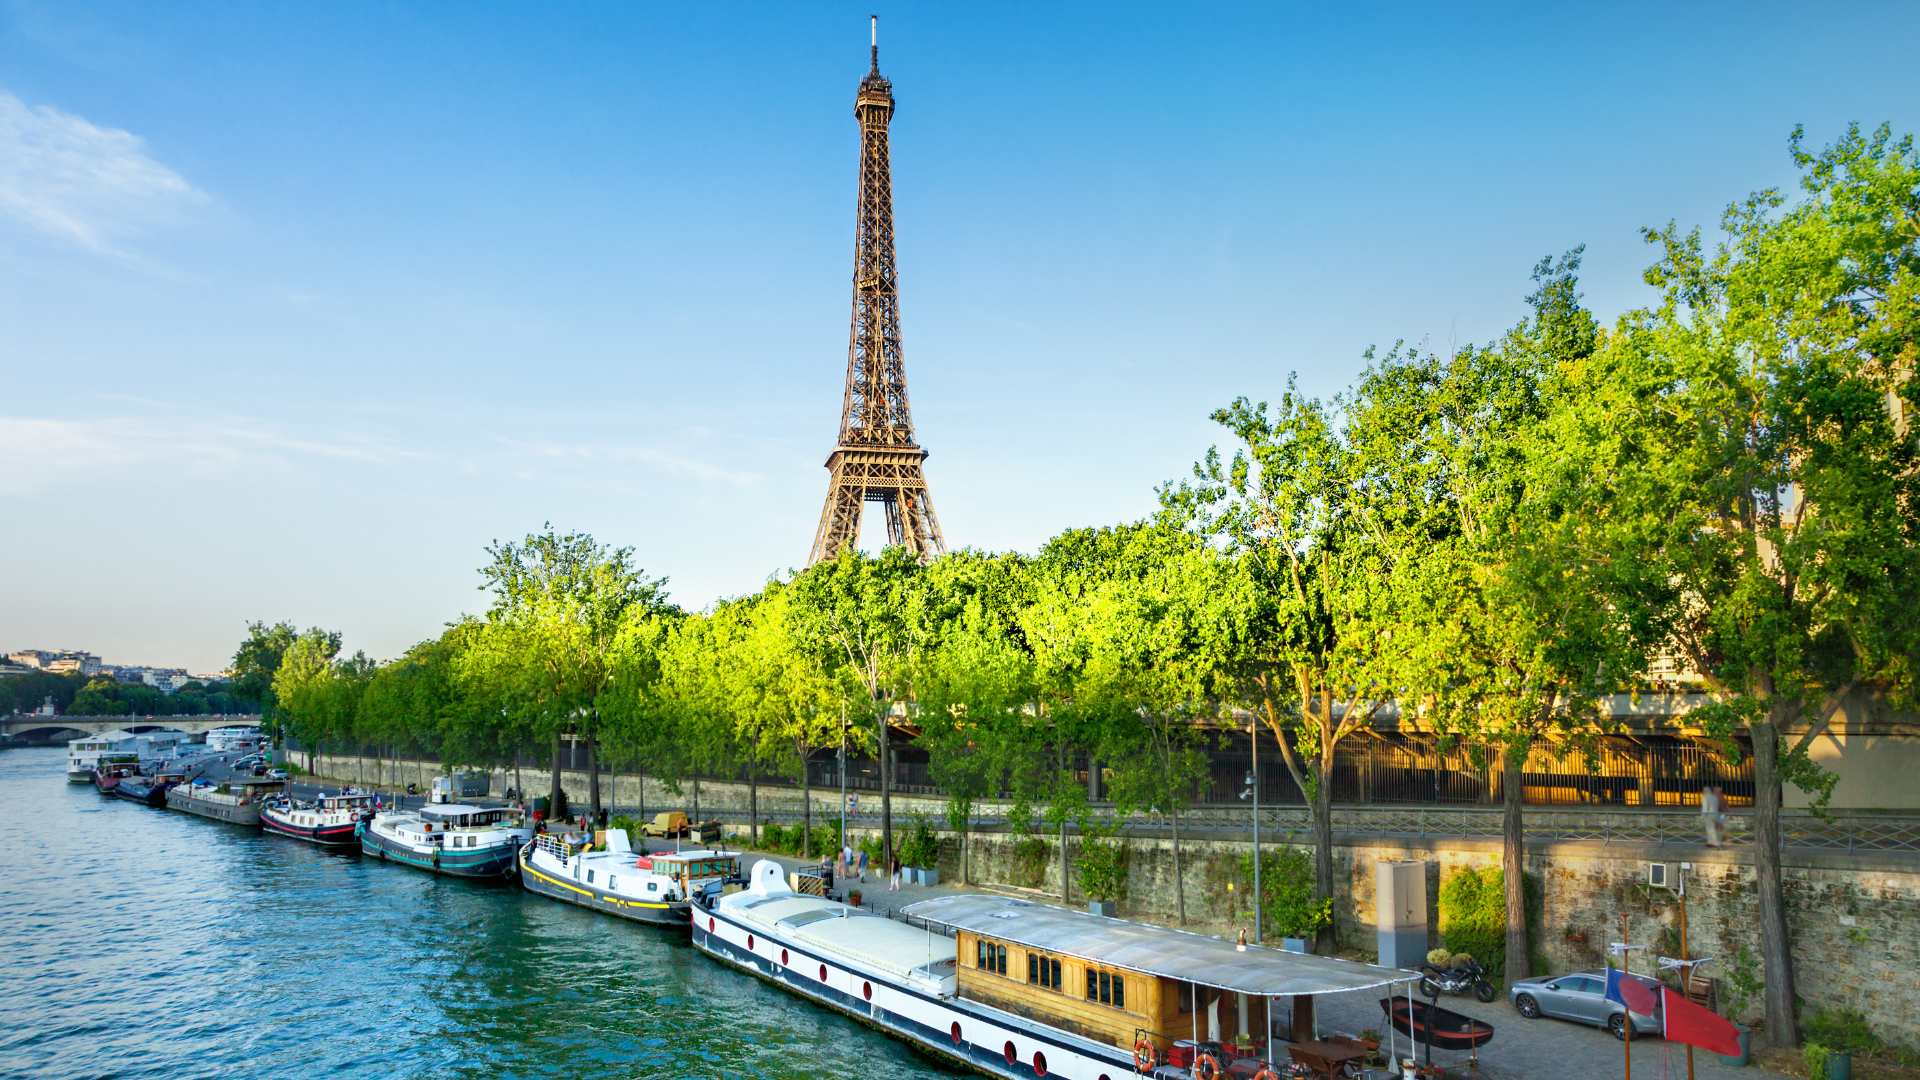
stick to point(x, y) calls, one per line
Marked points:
point(305, 699)
point(1754, 426)
point(256, 662)
point(1518, 622)
point(1316, 662)
point(855, 614)
point(559, 601)
point(974, 683)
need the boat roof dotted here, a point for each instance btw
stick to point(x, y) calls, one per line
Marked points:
point(457, 809)
point(872, 939)
point(1152, 950)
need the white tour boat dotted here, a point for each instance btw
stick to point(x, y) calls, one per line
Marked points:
point(656, 888)
point(1019, 989)
point(83, 753)
point(245, 737)
point(449, 838)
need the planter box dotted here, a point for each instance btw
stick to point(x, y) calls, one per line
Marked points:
point(1101, 907)
point(1745, 1036)
point(926, 875)
point(1297, 944)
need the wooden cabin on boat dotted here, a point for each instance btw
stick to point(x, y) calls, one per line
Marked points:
point(1124, 983)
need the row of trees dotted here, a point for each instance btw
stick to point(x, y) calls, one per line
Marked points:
point(97, 696)
point(1486, 543)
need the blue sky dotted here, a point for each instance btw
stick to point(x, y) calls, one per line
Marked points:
point(302, 304)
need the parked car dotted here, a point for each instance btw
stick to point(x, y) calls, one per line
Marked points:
point(670, 823)
point(1580, 996)
point(276, 774)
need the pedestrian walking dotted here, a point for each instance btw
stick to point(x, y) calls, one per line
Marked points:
point(1711, 814)
point(863, 866)
point(893, 883)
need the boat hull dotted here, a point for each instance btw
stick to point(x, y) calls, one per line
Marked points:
point(671, 915)
point(79, 776)
point(145, 794)
point(248, 814)
point(333, 836)
point(1443, 1029)
point(491, 863)
point(906, 1013)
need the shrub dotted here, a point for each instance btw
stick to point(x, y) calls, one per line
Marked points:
point(1841, 1029)
point(1030, 861)
point(1103, 868)
point(1439, 958)
point(1287, 907)
point(1742, 984)
point(1473, 916)
point(1815, 1057)
point(921, 847)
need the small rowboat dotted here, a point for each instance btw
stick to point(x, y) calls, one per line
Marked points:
point(1435, 1026)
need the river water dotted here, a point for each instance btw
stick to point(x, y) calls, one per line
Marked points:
point(144, 943)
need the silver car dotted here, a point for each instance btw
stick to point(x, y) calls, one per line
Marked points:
point(1580, 996)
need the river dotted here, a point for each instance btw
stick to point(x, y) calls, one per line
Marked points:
point(144, 943)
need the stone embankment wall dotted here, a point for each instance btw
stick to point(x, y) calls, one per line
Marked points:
point(1855, 918)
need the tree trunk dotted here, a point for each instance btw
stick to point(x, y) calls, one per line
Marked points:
point(553, 792)
point(643, 795)
point(696, 796)
point(1322, 804)
point(886, 794)
point(1513, 863)
point(753, 806)
point(1063, 862)
point(593, 779)
point(1179, 875)
point(806, 809)
point(966, 853)
point(1776, 950)
point(519, 788)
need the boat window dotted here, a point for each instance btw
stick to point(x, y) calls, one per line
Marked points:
point(613, 883)
point(589, 877)
point(653, 886)
point(1107, 988)
point(1043, 971)
point(990, 957)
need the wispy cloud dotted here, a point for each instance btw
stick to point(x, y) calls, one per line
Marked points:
point(87, 185)
point(627, 454)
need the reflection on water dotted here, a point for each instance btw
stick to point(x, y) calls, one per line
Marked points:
point(143, 942)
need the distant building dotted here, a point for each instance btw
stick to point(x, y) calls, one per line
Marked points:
point(58, 662)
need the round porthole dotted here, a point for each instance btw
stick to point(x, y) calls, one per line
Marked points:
point(749, 942)
point(955, 1032)
point(1011, 1053)
point(866, 990)
point(823, 973)
point(1039, 1063)
point(783, 958)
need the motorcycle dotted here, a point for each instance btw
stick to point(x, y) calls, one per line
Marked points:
point(1456, 979)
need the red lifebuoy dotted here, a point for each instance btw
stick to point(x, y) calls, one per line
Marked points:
point(1206, 1067)
point(1266, 1073)
point(1145, 1055)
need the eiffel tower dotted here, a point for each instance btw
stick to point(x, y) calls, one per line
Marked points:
point(876, 459)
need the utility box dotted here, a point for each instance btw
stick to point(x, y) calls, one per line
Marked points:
point(1400, 916)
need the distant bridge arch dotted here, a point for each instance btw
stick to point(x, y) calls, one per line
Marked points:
point(36, 727)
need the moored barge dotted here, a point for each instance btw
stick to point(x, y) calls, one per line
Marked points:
point(238, 801)
point(448, 838)
point(329, 820)
point(646, 888)
point(1018, 989)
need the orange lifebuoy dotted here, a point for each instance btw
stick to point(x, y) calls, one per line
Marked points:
point(1145, 1055)
point(1266, 1073)
point(1206, 1067)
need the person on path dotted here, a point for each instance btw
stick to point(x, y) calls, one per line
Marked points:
point(1711, 802)
point(893, 882)
point(863, 866)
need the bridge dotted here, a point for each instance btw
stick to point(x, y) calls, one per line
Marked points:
point(37, 730)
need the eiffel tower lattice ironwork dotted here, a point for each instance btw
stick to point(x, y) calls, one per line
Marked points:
point(876, 459)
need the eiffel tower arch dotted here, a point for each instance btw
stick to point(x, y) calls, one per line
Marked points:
point(876, 458)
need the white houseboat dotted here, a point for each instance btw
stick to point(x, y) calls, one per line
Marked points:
point(83, 753)
point(449, 838)
point(1018, 989)
point(655, 888)
point(244, 737)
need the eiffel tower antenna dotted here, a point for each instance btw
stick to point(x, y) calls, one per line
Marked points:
point(876, 458)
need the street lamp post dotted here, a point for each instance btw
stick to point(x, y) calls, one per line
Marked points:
point(1253, 791)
